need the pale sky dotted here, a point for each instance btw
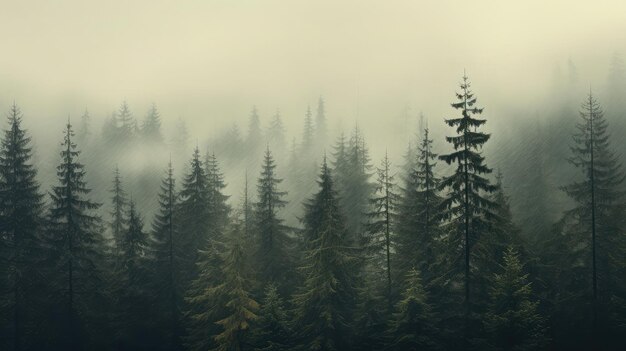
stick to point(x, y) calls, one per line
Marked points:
point(210, 61)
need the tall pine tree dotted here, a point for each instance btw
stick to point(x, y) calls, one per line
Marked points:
point(467, 209)
point(594, 226)
point(21, 208)
point(76, 255)
point(325, 303)
point(272, 257)
point(118, 208)
point(165, 252)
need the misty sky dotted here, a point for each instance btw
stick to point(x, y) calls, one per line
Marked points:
point(210, 61)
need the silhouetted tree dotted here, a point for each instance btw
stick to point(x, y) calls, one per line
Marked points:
point(21, 206)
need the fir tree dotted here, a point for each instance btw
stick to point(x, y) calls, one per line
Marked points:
point(164, 244)
point(466, 207)
point(412, 326)
point(220, 307)
point(118, 208)
point(419, 216)
point(276, 133)
point(194, 212)
point(325, 302)
point(594, 225)
point(271, 329)
point(308, 133)
point(126, 123)
point(381, 223)
point(272, 256)
point(204, 300)
point(21, 208)
point(151, 127)
point(240, 307)
point(512, 320)
point(133, 305)
point(76, 249)
point(218, 208)
point(353, 183)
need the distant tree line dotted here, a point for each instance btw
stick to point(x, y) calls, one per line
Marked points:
point(401, 258)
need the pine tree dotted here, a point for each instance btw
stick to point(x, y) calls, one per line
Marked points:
point(353, 182)
point(594, 225)
point(220, 308)
point(21, 206)
point(151, 127)
point(466, 207)
point(241, 308)
point(419, 216)
point(164, 244)
point(276, 133)
point(126, 123)
point(412, 326)
point(308, 134)
point(204, 299)
point(218, 207)
point(118, 211)
point(273, 262)
point(76, 250)
point(325, 303)
point(271, 329)
point(247, 211)
point(382, 221)
point(133, 304)
point(512, 319)
point(194, 212)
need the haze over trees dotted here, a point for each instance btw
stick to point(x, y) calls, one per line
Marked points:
point(265, 240)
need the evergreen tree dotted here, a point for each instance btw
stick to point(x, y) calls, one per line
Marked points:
point(205, 300)
point(76, 255)
point(419, 216)
point(218, 207)
point(325, 302)
point(126, 123)
point(240, 307)
point(194, 212)
point(247, 211)
point(151, 128)
point(276, 133)
point(164, 244)
point(271, 329)
point(467, 210)
point(308, 134)
point(594, 225)
point(220, 307)
point(21, 208)
point(118, 205)
point(512, 320)
point(273, 262)
point(353, 182)
point(133, 304)
point(412, 326)
point(381, 225)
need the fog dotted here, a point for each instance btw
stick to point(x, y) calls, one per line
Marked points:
point(376, 73)
point(210, 61)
